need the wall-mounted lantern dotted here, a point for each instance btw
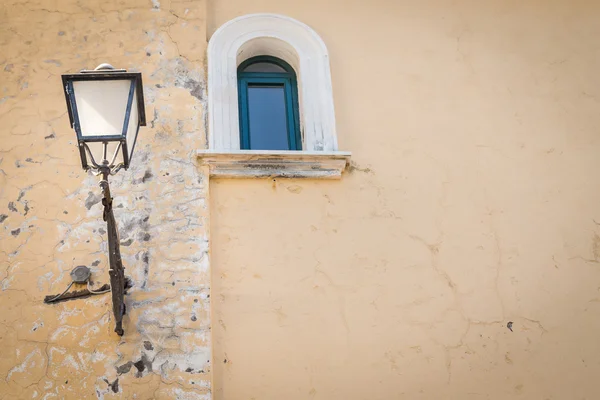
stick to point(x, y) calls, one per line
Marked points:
point(106, 109)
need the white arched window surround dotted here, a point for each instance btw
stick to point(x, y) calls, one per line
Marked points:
point(299, 45)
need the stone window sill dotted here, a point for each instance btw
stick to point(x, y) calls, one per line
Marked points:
point(265, 163)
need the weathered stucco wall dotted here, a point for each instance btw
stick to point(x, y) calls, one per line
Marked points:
point(473, 202)
point(470, 204)
point(51, 218)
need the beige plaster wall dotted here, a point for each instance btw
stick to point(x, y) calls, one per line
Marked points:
point(51, 216)
point(472, 202)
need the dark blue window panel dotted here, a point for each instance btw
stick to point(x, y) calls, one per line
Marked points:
point(267, 118)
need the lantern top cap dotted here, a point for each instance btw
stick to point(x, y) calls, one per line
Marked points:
point(102, 68)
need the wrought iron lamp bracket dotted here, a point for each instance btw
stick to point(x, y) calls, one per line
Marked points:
point(116, 271)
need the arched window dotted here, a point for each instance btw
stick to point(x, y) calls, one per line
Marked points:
point(270, 101)
point(268, 105)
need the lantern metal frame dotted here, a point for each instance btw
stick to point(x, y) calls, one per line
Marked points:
point(105, 72)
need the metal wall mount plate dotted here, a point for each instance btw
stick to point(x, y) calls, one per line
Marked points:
point(80, 274)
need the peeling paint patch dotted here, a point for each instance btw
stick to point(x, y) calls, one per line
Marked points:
point(114, 386)
point(147, 176)
point(145, 237)
point(127, 242)
point(22, 192)
point(3, 217)
point(144, 364)
point(125, 368)
point(146, 261)
point(92, 199)
point(194, 87)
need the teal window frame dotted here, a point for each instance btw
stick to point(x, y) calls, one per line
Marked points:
point(286, 79)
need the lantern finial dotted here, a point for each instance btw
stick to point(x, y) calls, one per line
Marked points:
point(104, 66)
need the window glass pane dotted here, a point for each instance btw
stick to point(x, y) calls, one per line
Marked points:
point(267, 118)
point(264, 67)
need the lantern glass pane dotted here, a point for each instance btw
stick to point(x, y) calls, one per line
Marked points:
point(132, 128)
point(101, 106)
